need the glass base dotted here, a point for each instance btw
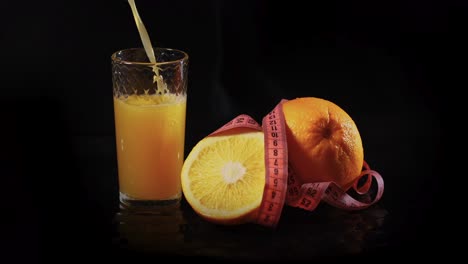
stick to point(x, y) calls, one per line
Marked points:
point(127, 201)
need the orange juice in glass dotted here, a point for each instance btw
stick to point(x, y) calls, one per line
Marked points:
point(149, 109)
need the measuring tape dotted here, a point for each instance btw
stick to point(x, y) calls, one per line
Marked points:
point(281, 183)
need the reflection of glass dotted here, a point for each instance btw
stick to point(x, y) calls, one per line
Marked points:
point(149, 108)
point(151, 231)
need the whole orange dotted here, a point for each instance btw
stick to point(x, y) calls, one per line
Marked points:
point(323, 142)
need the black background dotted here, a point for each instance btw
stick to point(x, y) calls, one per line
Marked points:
point(384, 62)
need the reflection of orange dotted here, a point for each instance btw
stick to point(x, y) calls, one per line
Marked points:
point(323, 142)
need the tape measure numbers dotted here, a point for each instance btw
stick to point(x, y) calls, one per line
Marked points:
point(276, 167)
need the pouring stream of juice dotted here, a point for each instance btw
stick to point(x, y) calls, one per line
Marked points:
point(161, 86)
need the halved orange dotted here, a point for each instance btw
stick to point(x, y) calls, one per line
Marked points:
point(223, 177)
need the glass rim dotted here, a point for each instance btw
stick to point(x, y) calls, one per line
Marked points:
point(115, 59)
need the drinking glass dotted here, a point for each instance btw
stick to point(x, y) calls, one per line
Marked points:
point(149, 113)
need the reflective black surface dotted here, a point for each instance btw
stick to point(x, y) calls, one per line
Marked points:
point(178, 231)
